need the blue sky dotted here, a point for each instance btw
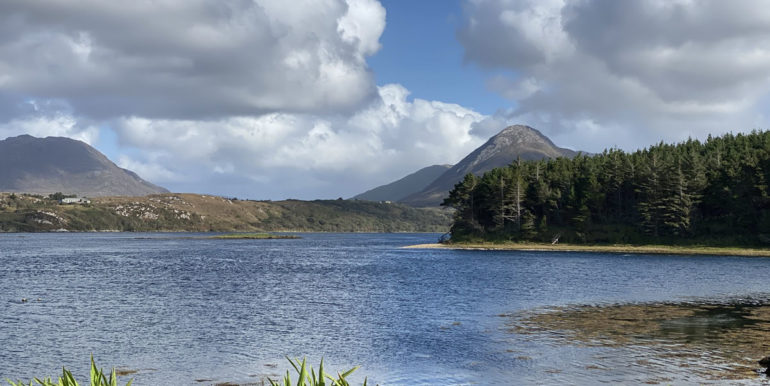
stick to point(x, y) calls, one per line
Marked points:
point(270, 99)
point(420, 51)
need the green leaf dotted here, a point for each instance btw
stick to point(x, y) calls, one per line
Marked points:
point(296, 368)
point(95, 373)
point(320, 374)
point(345, 374)
point(302, 374)
point(68, 378)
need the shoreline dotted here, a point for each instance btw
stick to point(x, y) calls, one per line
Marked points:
point(214, 232)
point(622, 249)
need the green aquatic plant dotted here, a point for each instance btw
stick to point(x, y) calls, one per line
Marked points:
point(98, 378)
point(308, 377)
point(253, 236)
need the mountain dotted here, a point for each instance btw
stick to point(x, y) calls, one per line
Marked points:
point(500, 150)
point(56, 164)
point(397, 190)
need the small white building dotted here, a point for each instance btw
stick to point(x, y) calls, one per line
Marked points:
point(75, 200)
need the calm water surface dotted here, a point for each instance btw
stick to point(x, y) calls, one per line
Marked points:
point(196, 311)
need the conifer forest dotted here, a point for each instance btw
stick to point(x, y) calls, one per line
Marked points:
point(713, 192)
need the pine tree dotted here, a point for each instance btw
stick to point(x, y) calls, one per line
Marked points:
point(462, 198)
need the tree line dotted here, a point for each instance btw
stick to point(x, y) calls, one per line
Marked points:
point(713, 192)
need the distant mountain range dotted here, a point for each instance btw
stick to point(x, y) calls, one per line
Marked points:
point(500, 150)
point(55, 164)
point(398, 190)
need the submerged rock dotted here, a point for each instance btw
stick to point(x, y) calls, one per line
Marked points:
point(765, 362)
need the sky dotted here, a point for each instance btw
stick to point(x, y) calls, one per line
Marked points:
point(269, 99)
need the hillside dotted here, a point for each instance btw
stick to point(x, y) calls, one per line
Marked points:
point(514, 141)
point(56, 164)
point(202, 213)
point(413, 183)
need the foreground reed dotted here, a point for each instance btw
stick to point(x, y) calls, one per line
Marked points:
point(308, 377)
point(98, 378)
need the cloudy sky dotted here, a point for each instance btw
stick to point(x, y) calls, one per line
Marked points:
point(272, 99)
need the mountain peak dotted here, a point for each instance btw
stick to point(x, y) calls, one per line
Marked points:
point(515, 129)
point(21, 138)
point(520, 134)
point(58, 164)
point(517, 141)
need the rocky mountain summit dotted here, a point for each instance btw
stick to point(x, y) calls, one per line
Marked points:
point(518, 141)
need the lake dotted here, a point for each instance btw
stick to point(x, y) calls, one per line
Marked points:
point(195, 311)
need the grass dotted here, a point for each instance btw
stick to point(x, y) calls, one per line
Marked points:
point(613, 248)
point(253, 236)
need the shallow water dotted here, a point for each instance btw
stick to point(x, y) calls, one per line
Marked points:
point(180, 309)
point(693, 342)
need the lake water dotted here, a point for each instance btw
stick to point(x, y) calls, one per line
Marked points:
point(187, 311)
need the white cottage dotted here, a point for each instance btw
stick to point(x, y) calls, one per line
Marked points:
point(75, 200)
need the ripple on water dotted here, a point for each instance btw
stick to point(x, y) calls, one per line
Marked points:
point(221, 310)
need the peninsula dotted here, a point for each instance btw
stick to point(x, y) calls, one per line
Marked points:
point(615, 248)
point(705, 194)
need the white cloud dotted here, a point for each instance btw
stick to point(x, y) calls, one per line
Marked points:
point(191, 59)
point(362, 25)
point(152, 171)
point(598, 73)
point(323, 155)
point(59, 125)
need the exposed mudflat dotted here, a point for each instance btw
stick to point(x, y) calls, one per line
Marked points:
point(662, 342)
